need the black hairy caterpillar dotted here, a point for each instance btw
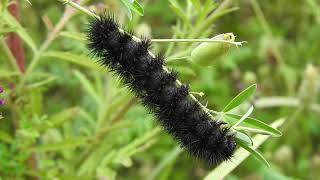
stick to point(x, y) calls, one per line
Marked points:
point(180, 115)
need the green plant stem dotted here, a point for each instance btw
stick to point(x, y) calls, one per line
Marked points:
point(275, 49)
point(290, 120)
point(257, 9)
point(124, 110)
point(98, 137)
point(68, 13)
point(278, 101)
point(196, 40)
point(79, 7)
point(224, 5)
point(168, 159)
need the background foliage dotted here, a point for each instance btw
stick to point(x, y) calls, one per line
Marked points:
point(65, 117)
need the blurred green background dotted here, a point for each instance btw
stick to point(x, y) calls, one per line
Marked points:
point(66, 117)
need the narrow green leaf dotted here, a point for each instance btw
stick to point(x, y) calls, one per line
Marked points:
point(245, 116)
point(65, 144)
point(5, 137)
point(187, 71)
point(196, 4)
point(36, 101)
point(133, 6)
point(81, 60)
point(61, 117)
point(255, 153)
point(13, 23)
point(136, 7)
point(244, 138)
point(127, 10)
point(179, 11)
point(240, 98)
point(8, 74)
point(42, 82)
point(254, 123)
point(74, 35)
point(125, 151)
point(4, 31)
point(168, 159)
point(87, 85)
point(225, 168)
point(57, 119)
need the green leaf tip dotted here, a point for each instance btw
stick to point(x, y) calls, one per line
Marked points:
point(240, 98)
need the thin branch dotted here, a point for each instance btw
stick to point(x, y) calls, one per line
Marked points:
point(68, 13)
point(198, 40)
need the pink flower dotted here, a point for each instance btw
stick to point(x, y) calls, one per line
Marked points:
point(2, 101)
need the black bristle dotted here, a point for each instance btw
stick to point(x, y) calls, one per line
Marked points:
point(180, 115)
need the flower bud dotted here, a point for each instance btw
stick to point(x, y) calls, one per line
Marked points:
point(206, 53)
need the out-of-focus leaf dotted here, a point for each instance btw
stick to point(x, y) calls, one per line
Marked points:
point(36, 101)
point(28, 2)
point(5, 137)
point(126, 150)
point(136, 7)
point(81, 60)
point(7, 30)
point(169, 158)
point(87, 85)
point(74, 35)
point(41, 83)
point(65, 144)
point(255, 153)
point(103, 172)
point(13, 23)
point(240, 98)
point(254, 123)
point(7, 74)
point(196, 4)
point(186, 71)
point(58, 119)
point(179, 11)
point(133, 6)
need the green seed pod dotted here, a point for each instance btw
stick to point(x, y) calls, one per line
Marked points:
point(207, 52)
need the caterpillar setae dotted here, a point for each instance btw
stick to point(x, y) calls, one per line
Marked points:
point(143, 73)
